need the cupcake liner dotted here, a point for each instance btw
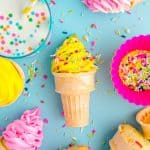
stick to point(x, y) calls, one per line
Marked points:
point(143, 118)
point(141, 42)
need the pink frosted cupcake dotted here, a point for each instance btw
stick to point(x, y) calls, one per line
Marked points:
point(25, 133)
point(110, 6)
point(130, 70)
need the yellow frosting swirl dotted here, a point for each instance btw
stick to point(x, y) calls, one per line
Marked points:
point(11, 82)
point(72, 57)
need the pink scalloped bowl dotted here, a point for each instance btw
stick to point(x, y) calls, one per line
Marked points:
point(141, 42)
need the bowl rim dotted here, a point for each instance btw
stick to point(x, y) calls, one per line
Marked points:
point(136, 97)
point(39, 48)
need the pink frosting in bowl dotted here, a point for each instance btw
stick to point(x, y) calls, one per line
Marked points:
point(26, 133)
point(108, 6)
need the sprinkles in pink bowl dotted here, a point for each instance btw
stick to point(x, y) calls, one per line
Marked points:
point(140, 43)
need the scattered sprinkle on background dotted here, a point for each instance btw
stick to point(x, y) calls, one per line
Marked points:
point(102, 34)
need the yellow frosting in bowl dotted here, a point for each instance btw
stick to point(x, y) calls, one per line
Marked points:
point(11, 81)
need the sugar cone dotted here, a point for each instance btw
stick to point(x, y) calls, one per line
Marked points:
point(134, 2)
point(112, 145)
point(143, 118)
point(75, 94)
point(80, 147)
point(3, 145)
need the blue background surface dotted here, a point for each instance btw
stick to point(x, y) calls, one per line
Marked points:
point(108, 109)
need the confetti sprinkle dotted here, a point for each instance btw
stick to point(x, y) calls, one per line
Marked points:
point(139, 144)
point(26, 89)
point(93, 26)
point(61, 20)
point(45, 120)
point(32, 70)
point(70, 11)
point(127, 31)
point(42, 101)
point(91, 135)
point(64, 125)
point(64, 32)
point(30, 19)
point(28, 80)
point(129, 12)
point(45, 77)
point(52, 2)
point(104, 142)
point(93, 43)
point(93, 131)
point(85, 37)
point(62, 114)
point(43, 86)
point(97, 82)
point(10, 15)
point(49, 43)
point(98, 60)
point(123, 36)
point(74, 141)
point(110, 92)
point(117, 32)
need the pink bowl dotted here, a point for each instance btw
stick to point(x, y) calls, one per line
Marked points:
point(141, 42)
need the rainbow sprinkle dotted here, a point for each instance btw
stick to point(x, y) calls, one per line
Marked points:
point(134, 70)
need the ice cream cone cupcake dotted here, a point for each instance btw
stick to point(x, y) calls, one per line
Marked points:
point(81, 147)
point(25, 133)
point(3, 145)
point(110, 6)
point(74, 71)
point(10, 88)
point(128, 138)
point(143, 118)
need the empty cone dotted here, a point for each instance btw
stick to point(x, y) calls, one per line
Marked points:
point(143, 118)
point(75, 91)
point(128, 138)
